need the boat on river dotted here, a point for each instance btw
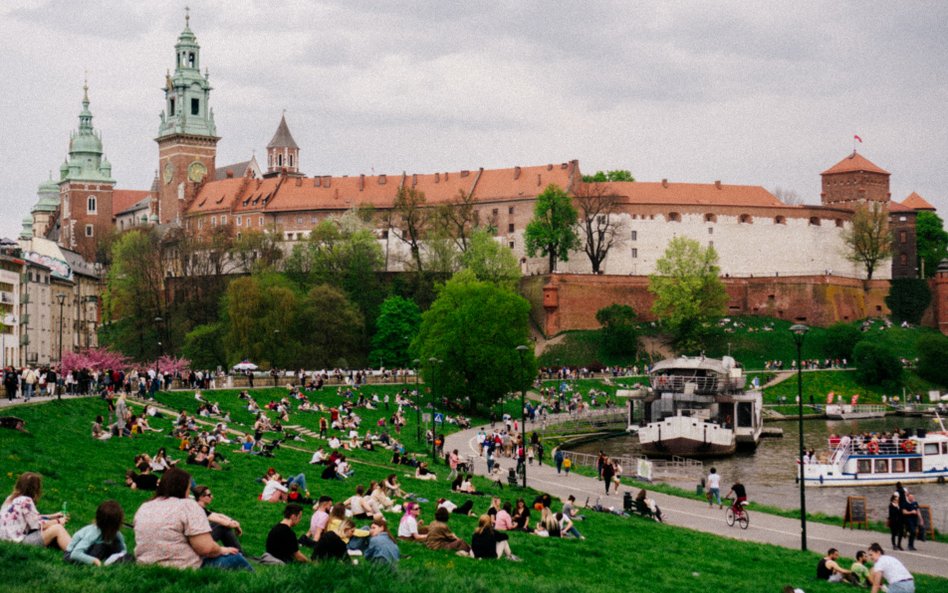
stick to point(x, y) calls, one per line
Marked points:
point(922, 457)
point(697, 407)
point(855, 412)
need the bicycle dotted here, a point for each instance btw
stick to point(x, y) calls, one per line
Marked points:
point(737, 513)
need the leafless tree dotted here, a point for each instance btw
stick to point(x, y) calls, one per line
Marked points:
point(599, 224)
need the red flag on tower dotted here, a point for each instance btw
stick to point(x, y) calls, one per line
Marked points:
point(855, 137)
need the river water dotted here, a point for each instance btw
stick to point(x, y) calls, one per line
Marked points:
point(769, 472)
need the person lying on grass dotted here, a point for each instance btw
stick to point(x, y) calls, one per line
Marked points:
point(101, 542)
point(172, 530)
point(423, 473)
point(20, 521)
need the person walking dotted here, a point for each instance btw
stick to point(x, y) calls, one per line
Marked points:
point(558, 460)
point(714, 488)
point(607, 472)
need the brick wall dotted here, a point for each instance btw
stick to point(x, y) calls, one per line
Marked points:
point(564, 302)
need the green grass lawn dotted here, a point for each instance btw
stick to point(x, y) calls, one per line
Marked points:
point(633, 555)
point(820, 383)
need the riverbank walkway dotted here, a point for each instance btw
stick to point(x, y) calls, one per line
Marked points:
point(694, 514)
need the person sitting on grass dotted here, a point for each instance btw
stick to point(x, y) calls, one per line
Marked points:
point(295, 495)
point(101, 542)
point(392, 488)
point(274, 490)
point(410, 528)
point(503, 521)
point(20, 522)
point(423, 473)
point(282, 544)
point(467, 486)
point(98, 431)
point(172, 530)
point(891, 570)
point(319, 521)
point(566, 526)
point(382, 548)
point(223, 529)
point(828, 569)
point(521, 516)
point(486, 544)
point(201, 455)
point(859, 570)
point(548, 525)
point(382, 502)
point(440, 536)
point(332, 545)
point(643, 502)
point(161, 462)
point(355, 503)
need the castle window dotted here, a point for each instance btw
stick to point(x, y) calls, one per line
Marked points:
point(635, 235)
point(745, 219)
point(279, 160)
point(195, 106)
point(510, 228)
point(780, 220)
point(213, 221)
point(271, 159)
point(635, 253)
point(510, 244)
point(510, 210)
point(223, 219)
point(903, 259)
point(710, 217)
point(814, 221)
point(710, 230)
point(89, 230)
point(291, 160)
point(191, 60)
point(903, 237)
point(261, 221)
point(839, 223)
point(495, 212)
point(171, 109)
point(299, 220)
point(91, 205)
point(312, 220)
point(239, 220)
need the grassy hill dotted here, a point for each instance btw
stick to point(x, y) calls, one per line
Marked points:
point(633, 555)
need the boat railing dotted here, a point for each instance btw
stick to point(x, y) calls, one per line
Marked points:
point(842, 452)
point(684, 383)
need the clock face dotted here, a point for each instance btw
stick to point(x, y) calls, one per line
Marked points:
point(169, 172)
point(197, 171)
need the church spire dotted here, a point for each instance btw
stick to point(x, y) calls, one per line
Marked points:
point(283, 154)
point(85, 160)
point(187, 91)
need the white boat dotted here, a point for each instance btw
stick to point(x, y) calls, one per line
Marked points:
point(857, 412)
point(916, 459)
point(697, 407)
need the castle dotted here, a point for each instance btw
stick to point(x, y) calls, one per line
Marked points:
point(754, 232)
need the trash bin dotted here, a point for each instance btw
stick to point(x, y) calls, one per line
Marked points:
point(627, 502)
point(699, 489)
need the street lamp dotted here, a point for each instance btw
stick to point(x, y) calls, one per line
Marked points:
point(523, 412)
point(417, 362)
point(62, 300)
point(799, 330)
point(434, 453)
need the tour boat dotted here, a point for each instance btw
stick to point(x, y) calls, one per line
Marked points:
point(915, 459)
point(697, 407)
point(853, 412)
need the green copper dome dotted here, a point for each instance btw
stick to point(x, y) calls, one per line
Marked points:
point(48, 193)
point(27, 232)
point(187, 92)
point(85, 160)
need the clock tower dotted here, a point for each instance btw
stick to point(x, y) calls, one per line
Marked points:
point(187, 136)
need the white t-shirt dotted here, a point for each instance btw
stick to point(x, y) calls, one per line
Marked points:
point(893, 570)
point(271, 487)
point(714, 481)
point(408, 527)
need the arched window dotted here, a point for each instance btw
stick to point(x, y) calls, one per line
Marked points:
point(814, 221)
point(279, 160)
point(674, 217)
point(291, 160)
point(745, 219)
point(780, 220)
point(191, 59)
point(710, 217)
point(91, 205)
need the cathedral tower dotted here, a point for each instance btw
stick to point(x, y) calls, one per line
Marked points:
point(853, 181)
point(187, 136)
point(283, 155)
point(85, 188)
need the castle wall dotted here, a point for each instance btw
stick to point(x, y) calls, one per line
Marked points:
point(563, 302)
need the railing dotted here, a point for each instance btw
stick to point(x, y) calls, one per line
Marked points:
point(710, 384)
point(674, 467)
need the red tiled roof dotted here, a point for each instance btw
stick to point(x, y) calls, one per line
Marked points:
point(917, 202)
point(123, 199)
point(899, 207)
point(695, 194)
point(852, 163)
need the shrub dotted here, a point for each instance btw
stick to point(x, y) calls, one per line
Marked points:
point(839, 340)
point(876, 366)
point(618, 333)
point(908, 298)
point(933, 358)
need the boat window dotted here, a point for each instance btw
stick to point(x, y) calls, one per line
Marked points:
point(915, 464)
point(881, 466)
point(864, 466)
point(898, 465)
point(944, 448)
point(931, 448)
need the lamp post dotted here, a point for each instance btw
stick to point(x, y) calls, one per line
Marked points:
point(417, 362)
point(799, 330)
point(521, 349)
point(434, 453)
point(62, 300)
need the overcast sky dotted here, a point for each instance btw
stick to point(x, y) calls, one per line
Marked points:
point(749, 93)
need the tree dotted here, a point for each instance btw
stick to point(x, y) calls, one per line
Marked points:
point(257, 250)
point(933, 358)
point(458, 219)
point(875, 365)
point(599, 224)
point(397, 325)
point(242, 305)
point(474, 328)
point(204, 346)
point(602, 176)
point(552, 232)
point(329, 329)
point(788, 196)
point(411, 218)
point(868, 238)
point(932, 241)
point(687, 288)
point(839, 340)
point(908, 298)
point(619, 334)
point(490, 261)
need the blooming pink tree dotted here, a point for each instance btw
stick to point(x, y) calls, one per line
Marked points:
point(96, 359)
point(170, 365)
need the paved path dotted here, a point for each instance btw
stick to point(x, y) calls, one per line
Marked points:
point(693, 514)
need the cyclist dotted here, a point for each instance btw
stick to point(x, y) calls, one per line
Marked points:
point(740, 496)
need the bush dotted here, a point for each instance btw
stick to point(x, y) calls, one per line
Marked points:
point(908, 298)
point(876, 366)
point(204, 347)
point(618, 333)
point(933, 358)
point(839, 340)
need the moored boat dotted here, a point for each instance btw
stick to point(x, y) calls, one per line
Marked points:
point(853, 412)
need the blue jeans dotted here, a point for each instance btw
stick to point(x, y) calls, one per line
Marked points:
point(299, 480)
point(231, 562)
point(27, 391)
point(715, 495)
point(902, 587)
